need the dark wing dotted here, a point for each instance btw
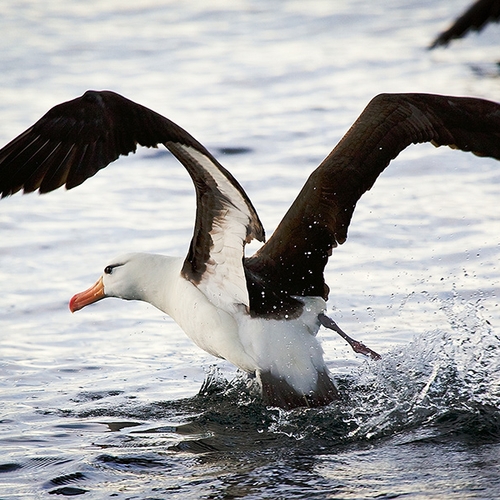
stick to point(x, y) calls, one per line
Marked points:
point(76, 139)
point(293, 259)
point(474, 18)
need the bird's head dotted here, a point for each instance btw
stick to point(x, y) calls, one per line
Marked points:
point(119, 279)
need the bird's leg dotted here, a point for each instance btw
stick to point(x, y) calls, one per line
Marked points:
point(358, 347)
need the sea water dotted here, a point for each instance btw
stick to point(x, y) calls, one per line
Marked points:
point(115, 401)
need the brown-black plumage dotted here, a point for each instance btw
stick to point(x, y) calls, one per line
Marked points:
point(76, 139)
point(294, 257)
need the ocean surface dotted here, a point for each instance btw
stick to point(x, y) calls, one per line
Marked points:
point(114, 401)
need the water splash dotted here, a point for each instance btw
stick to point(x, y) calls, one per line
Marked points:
point(445, 382)
point(439, 374)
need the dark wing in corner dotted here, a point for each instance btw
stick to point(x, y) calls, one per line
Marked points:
point(473, 19)
point(76, 139)
point(294, 257)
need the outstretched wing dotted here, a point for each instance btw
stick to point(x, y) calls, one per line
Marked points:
point(76, 139)
point(474, 18)
point(294, 257)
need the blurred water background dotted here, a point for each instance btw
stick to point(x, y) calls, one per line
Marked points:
point(106, 403)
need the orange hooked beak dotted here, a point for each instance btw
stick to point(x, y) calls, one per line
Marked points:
point(89, 296)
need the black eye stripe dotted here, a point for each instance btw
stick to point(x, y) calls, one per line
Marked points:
point(109, 269)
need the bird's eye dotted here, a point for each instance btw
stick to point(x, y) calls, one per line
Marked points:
point(108, 269)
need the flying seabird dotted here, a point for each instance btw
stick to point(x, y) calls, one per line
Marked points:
point(475, 18)
point(261, 313)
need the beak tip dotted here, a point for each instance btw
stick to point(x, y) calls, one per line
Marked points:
point(73, 307)
point(93, 294)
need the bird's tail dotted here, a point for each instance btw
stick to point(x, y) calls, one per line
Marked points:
point(276, 391)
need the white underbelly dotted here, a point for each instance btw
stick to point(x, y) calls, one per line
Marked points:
point(286, 349)
point(210, 328)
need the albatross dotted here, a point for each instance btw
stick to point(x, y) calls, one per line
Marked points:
point(263, 312)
